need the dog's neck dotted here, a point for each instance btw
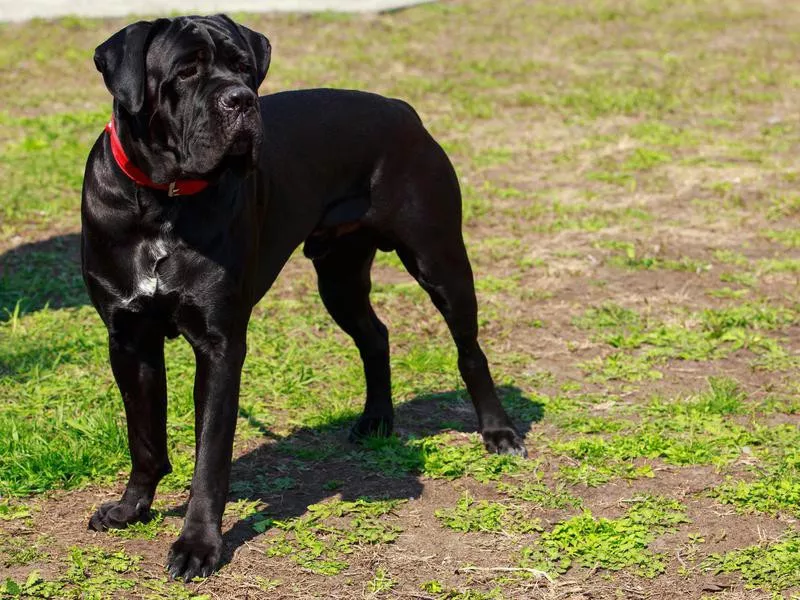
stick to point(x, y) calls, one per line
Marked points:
point(177, 187)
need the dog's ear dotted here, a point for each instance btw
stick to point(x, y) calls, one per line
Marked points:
point(262, 50)
point(121, 60)
point(259, 44)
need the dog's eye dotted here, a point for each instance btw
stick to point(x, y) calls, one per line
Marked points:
point(242, 67)
point(187, 72)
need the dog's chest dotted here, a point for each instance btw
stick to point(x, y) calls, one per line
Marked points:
point(149, 254)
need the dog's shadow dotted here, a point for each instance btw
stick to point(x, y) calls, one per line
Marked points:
point(287, 474)
point(314, 464)
point(45, 273)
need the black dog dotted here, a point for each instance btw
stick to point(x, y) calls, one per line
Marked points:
point(194, 198)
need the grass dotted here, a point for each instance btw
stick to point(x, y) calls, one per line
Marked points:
point(539, 494)
point(321, 547)
point(631, 213)
point(607, 543)
point(437, 458)
point(469, 515)
point(773, 567)
point(709, 334)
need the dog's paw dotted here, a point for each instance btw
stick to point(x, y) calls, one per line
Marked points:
point(195, 554)
point(504, 440)
point(371, 426)
point(117, 515)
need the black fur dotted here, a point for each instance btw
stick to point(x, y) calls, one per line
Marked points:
point(345, 172)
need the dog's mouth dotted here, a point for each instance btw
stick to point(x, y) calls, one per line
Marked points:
point(241, 144)
point(237, 149)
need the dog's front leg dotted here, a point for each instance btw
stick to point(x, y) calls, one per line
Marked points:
point(216, 397)
point(136, 350)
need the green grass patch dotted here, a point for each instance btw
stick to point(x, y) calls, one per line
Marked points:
point(630, 258)
point(597, 473)
point(92, 572)
point(16, 551)
point(623, 171)
point(438, 457)
point(485, 516)
point(320, 540)
point(699, 429)
point(142, 530)
point(786, 237)
point(774, 567)
point(613, 544)
point(43, 170)
point(621, 366)
point(10, 511)
point(705, 335)
point(539, 494)
point(381, 582)
point(769, 495)
point(39, 275)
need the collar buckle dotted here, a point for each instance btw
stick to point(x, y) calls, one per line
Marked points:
point(172, 190)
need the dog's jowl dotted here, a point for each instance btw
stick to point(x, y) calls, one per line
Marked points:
point(194, 197)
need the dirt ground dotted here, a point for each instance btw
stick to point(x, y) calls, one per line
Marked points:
point(631, 208)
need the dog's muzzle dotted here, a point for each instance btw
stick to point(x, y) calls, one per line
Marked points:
point(237, 107)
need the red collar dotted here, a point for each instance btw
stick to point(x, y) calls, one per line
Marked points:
point(179, 187)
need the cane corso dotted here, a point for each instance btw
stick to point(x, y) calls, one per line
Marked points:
point(195, 196)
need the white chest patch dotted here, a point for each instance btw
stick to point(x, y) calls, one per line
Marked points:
point(147, 286)
point(147, 256)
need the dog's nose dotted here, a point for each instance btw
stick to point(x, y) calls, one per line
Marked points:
point(239, 99)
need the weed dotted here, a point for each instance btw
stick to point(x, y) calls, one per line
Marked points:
point(436, 457)
point(17, 551)
point(709, 334)
point(143, 530)
point(786, 237)
point(433, 586)
point(540, 494)
point(10, 511)
point(263, 484)
point(609, 315)
point(728, 293)
point(469, 515)
point(242, 508)
point(586, 424)
point(266, 584)
point(769, 266)
point(623, 367)
point(629, 258)
point(783, 205)
point(34, 586)
point(774, 567)
point(91, 571)
point(594, 475)
point(612, 544)
point(768, 495)
point(320, 546)
point(381, 582)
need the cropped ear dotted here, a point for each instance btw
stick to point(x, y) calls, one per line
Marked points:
point(121, 60)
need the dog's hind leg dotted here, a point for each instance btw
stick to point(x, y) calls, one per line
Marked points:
point(447, 277)
point(431, 246)
point(343, 278)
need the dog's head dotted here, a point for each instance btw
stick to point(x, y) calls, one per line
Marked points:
point(186, 93)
